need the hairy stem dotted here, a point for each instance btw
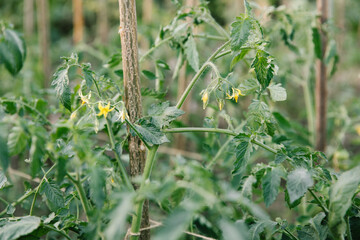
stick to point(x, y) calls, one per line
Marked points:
point(199, 73)
point(123, 174)
point(58, 231)
point(38, 188)
point(319, 202)
point(136, 221)
point(79, 188)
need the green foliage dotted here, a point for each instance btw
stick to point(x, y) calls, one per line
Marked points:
point(340, 198)
point(254, 165)
point(298, 181)
point(12, 230)
point(12, 49)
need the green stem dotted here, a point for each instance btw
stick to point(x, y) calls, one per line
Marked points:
point(38, 188)
point(198, 74)
point(136, 221)
point(348, 229)
point(137, 133)
point(123, 174)
point(81, 192)
point(222, 54)
point(211, 37)
point(290, 234)
point(318, 201)
point(58, 231)
point(154, 48)
point(19, 200)
point(224, 131)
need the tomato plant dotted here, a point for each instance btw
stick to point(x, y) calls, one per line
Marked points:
point(76, 153)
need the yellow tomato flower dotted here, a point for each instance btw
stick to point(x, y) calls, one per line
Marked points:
point(205, 99)
point(235, 95)
point(357, 128)
point(104, 110)
point(84, 99)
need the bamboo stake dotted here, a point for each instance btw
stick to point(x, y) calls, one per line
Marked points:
point(321, 80)
point(28, 17)
point(43, 26)
point(103, 26)
point(78, 21)
point(132, 95)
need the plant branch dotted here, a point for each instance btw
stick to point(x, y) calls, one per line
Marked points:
point(152, 49)
point(28, 106)
point(224, 131)
point(38, 188)
point(318, 201)
point(136, 220)
point(123, 174)
point(82, 195)
point(137, 133)
point(290, 234)
point(58, 231)
point(199, 73)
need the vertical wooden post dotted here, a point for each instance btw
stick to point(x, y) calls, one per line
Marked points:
point(78, 21)
point(132, 95)
point(43, 28)
point(28, 17)
point(321, 80)
point(103, 27)
point(147, 11)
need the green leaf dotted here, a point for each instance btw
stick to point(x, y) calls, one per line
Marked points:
point(4, 154)
point(116, 228)
point(280, 157)
point(298, 181)
point(316, 38)
point(17, 140)
point(12, 51)
point(54, 195)
point(331, 52)
point(37, 152)
point(149, 75)
point(340, 197)
point(150, 132)
point(259, 227)
point(243, 150)
point(162, 114)
point(307, 233)
point(175, 224)
point(61, 82)
point(277, 92)
point(247, 187)
point(240, 32)
point(239, 57)
point(61, 79)
point(271, 184)
point(264, 68)
point(192, 54)
point(234, 231)
point(162, 64)
point(88, 74)
point(249, 86)
point(97, 186)
point(22, 227)
point(3, 179)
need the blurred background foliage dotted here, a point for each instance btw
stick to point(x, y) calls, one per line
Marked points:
point(289, 32)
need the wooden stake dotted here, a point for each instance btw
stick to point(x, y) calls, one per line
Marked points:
point(132, 95)
point(28, 17)
point(321, 80)
point(43, 29)
point(103, 26)
point(78, 21)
